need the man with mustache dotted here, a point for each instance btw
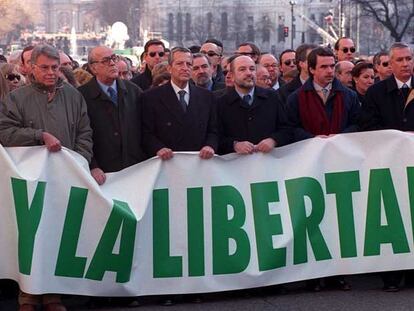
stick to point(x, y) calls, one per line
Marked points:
point(251, 119)
point(202, 73)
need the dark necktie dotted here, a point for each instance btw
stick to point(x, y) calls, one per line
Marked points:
point(404, 91)
point(182, 100)
point(113, 95)
point(246, 99)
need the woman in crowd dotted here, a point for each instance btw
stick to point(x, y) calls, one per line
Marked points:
point(12, 76)
point(363, 77)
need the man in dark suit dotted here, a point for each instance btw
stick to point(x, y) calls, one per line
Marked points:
point(302, 53)
point(179, 116)
point(202, 73)
point(250, 118)
point(115, 114)
point(389, 105)
point(154, 51)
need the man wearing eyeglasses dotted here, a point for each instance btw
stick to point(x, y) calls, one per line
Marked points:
point(272, 65)
point(345, 49)
point(382, 66)
point(115, 113)
point(154, 52)
point(51, 113)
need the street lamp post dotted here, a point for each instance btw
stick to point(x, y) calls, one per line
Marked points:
point(292, 4)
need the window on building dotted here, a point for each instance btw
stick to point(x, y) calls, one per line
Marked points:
point(209, 24)
point(188, 26)
point(170, 26)
point(179, 27)
point(224, 26)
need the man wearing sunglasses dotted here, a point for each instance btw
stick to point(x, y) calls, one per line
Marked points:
point(302, 53)
point(382, 66)
point(213, 52)
point(345, 49)
point(154, 52)
point(115, 114)
point(287, 61)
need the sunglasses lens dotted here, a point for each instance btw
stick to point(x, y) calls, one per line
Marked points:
point(160, 54)
point(11, 77)
point(385, 64)
point(352, 50)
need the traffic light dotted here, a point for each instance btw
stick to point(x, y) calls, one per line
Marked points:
point(286, 31)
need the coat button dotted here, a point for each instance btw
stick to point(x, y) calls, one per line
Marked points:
point(250, 118)
point(405, 120)
point(169, 123)
point(116, 133)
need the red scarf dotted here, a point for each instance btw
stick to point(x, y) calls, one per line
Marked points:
point(313, 115)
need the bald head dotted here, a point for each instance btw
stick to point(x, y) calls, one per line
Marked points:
point(102, 61)
point(271, 64)
point(212, 51)
point(65, 61)
point(343, 72)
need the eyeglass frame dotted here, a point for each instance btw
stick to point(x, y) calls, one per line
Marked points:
point(107, 60)
point(15, 76)
point(351, 49)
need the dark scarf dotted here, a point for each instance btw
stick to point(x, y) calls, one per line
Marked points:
point(313, 115)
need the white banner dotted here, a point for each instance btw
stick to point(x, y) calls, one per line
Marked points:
point(324, 206)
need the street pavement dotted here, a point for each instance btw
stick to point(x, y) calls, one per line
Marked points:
point(366, 294)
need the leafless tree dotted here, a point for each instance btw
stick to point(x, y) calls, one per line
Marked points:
point(394, 15)
point(17, 15)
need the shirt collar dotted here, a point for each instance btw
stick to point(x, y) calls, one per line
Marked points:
point(105, 87)
point(319, 88)
point(177, 89)
point(276, 85)
point(251, 93)
point(400, 83)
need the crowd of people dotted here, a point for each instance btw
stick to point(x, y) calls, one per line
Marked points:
point(203, 99)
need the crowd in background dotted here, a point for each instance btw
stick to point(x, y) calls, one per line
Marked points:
point(202, 98)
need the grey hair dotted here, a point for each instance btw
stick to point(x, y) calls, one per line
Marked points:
point(176, 50)
point(46, 50)
point(399, 45)
point(200, 55)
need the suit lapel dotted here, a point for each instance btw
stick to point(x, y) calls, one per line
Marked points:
point(170, 101)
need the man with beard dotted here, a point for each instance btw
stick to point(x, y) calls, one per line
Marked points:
point(202, 73)
point(250, 118)
point(179, 116)
point(322, 106)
